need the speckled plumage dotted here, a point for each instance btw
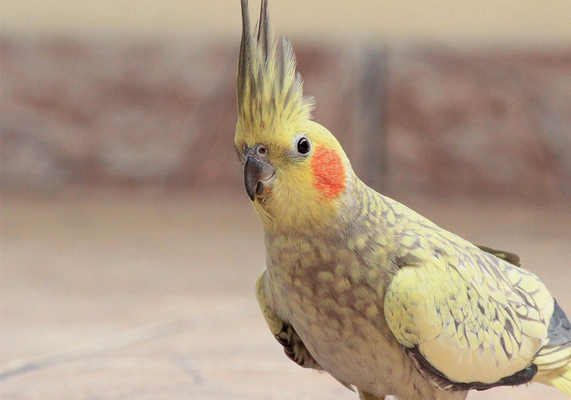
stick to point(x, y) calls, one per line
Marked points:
point(331, 297)
point(362, 287)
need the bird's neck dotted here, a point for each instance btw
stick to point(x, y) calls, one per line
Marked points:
point(360, 227)
point(358, 208)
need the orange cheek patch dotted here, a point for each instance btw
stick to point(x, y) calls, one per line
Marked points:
point(328, 172)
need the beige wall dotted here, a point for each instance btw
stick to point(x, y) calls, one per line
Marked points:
point(521, 22)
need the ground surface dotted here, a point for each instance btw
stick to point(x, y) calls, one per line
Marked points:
point(144, 295)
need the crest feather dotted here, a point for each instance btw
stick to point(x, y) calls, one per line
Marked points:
point(269, 90)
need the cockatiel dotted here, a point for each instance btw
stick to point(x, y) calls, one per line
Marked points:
point(361, 286)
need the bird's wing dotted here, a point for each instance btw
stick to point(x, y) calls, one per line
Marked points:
point(468, 319)
point(284, 333)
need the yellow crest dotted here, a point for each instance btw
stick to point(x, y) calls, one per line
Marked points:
point(270, 93)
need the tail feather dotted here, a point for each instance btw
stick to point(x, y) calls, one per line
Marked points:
point(554, 359)
point(560, 378)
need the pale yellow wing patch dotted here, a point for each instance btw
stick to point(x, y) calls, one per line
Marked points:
point(473, 317)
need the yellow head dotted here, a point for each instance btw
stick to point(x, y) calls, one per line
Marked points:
point(295, 171)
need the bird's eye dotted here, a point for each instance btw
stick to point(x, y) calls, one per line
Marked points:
point(262, 150)
point(303, 145)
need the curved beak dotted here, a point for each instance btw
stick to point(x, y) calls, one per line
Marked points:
point(257, 173)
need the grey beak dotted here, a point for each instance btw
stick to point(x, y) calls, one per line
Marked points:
point(256, 172)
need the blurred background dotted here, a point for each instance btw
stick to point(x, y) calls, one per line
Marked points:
point(129, 251)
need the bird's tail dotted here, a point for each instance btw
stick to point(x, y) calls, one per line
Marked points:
point(554, 359)
point(560, 378)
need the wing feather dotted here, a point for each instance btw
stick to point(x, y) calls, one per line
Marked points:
point(474, 317)
point(285, 333)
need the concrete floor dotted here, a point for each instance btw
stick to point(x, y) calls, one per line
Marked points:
point(107, 294)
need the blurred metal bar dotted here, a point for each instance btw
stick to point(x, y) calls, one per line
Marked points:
point(372, 116)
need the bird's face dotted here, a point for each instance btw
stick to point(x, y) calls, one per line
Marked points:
point(293, 177)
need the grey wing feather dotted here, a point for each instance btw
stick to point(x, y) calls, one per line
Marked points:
point(559, 329)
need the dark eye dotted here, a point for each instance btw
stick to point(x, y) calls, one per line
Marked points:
point(262, 150)
point(303, 145)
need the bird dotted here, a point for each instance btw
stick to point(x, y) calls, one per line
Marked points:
point(362, 287)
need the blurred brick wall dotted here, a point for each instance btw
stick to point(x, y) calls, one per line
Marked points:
point(157, 113)
point(470, 120)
